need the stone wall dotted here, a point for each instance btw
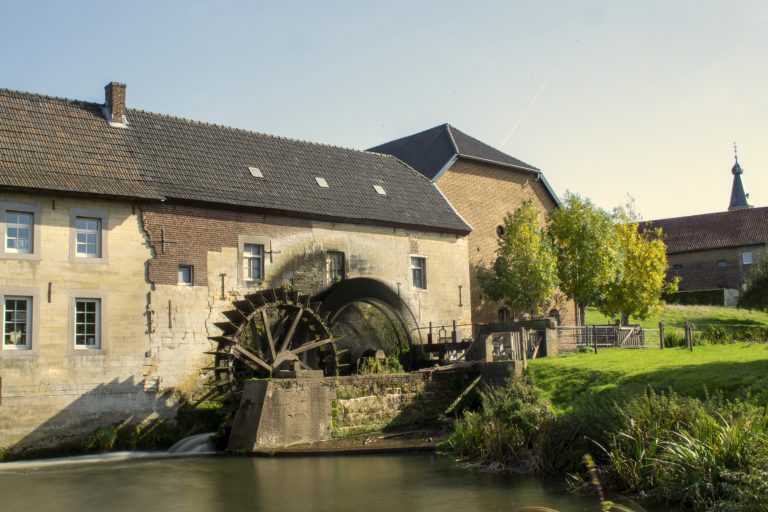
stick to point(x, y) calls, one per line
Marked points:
point(699, 270)
point(211, 241)
point(52, 391)
point(484, 194)
point(277, 413)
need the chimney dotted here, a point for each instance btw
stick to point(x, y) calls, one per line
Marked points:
point(114, 93)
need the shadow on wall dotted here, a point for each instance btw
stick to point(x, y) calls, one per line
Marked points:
point(119, 404)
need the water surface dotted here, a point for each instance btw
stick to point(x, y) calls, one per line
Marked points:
point(391, 483)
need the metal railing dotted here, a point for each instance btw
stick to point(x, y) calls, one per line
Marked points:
point(578, 338)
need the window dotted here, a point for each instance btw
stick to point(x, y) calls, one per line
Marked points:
point(334, 264)
point(677, 268)
point(253, 258)
point(20, 226)
point(419, 272)
point(503, 315)
point(746, 257)
point(89, 234)
point(87, 323)
point(87, 237)
point(186, 275)
point(721, 263)
point(18, 232)
point(16, 322)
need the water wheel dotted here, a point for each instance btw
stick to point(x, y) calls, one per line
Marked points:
point(271, 333)
point(279, 333)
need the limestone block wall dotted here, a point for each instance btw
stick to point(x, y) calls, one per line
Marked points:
point(211, 241)
point(53, 390)
point(484, 194)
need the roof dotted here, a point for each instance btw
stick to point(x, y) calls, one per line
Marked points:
point(738, 197)
point(720, 230)
point(433, 151)
point(63, 145)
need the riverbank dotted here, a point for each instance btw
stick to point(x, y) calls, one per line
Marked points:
point(688, 429)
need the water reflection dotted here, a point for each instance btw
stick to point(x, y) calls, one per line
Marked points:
point(324, 484)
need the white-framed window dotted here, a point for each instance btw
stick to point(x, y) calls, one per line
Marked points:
point(186, 275)
point(419, 272)
point(746, 257)
point(334, 266)
point(17, 320)
point(19, 229)
point(87, 237)
point(87, 323)
point(253, 261)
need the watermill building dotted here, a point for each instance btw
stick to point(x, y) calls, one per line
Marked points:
point(127, 233)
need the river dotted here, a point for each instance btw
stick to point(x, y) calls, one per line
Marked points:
point(391, 483)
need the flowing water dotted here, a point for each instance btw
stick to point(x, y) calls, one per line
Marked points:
point(371, 483)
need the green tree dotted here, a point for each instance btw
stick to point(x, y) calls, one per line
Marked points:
point(587, 249)
point(523, 275)
point(755, 295)
point(641, 277)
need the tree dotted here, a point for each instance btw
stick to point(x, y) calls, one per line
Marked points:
point(587, 248)
point(641, 277)
point(523, 275)
point(755, 294)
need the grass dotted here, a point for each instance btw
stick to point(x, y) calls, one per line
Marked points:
point(699, 315)
point(738, 371)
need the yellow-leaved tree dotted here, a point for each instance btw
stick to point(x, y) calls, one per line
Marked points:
point(642, 269)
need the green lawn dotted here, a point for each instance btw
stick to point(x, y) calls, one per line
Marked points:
point(738, 370)
point(699, 315)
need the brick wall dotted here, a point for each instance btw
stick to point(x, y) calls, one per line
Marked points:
point(208, 239)
point(483, 194)
point(699, 270)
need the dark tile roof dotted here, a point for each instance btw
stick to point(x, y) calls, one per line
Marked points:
point(57, 144)
point(431, 150)
point(735, 228)
point(63, 145)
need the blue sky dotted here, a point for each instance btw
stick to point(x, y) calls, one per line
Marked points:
point(608, 98)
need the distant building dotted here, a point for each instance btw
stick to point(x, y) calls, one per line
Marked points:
point(716, 250)
point(484, 185)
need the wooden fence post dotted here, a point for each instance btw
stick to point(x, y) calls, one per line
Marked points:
point(661, 335)
point(594, 338)
point(689, 335)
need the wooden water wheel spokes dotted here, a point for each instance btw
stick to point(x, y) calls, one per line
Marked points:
point(268, 333)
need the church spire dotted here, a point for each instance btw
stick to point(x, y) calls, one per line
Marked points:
point(738, 197)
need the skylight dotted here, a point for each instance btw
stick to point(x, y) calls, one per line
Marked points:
point(321, 182)
point(256, 172)
point(380, 190)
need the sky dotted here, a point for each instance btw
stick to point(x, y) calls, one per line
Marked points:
point(608, 98)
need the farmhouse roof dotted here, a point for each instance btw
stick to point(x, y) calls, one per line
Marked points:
point(433, 151)
point(720, 230)
point(58, 144)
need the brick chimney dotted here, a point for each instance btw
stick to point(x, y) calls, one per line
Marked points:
point(114, 110)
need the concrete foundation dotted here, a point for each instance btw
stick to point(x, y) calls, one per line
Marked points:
point(278, 413)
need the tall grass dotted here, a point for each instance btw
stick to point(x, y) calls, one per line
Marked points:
point(709, 454)
point(700, 454)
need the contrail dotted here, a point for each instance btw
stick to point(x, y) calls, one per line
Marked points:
point(529, 106)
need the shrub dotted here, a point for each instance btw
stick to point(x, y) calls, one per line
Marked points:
point(714, 297)
point(508, 430)
point(702, 455)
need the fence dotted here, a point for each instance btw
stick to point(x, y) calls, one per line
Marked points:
point(593, 337)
